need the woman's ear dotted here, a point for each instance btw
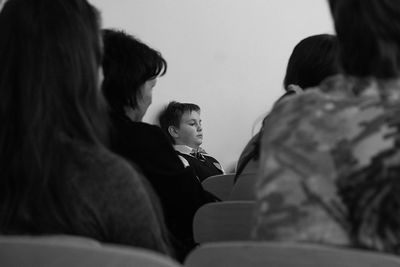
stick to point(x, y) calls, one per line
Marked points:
point(173, 131)
point(294, 88)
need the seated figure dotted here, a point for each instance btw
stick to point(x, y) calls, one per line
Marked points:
point(57, 176)
point(182, 123)
point(330, 157)
point(312, 60)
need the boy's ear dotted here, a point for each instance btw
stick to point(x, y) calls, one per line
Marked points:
point(173, 131)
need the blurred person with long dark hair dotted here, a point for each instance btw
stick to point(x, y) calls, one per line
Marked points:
point(57, 177)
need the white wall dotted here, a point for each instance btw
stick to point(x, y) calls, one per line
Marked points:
point(228, 56)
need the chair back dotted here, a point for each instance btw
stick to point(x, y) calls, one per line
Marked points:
point(223, 221)
point(219, 185)
point(244, 188)
point(274, 254)
point(21, 251)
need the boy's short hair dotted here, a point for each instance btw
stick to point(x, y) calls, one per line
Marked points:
point(172, 115)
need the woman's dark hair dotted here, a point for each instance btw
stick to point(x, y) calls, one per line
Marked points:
point(50, 55)
point(127, 64)
point(172, 114)
point(369, 36)
point(312, 60)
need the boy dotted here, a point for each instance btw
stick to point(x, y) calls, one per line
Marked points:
point(182, 124)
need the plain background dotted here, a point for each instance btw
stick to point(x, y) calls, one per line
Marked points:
point(227, 56)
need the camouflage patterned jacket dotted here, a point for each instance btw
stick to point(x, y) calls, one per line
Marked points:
point(317, 141)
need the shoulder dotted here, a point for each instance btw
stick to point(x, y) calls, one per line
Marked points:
point(184, 160)
point(99, 166)
point(107, 181)
point(319, 132)
point(211, 158)
point(149, 130)
point(124, 124)
point(139, 127)
point(148, 146)
point(311, 114)
point(305, 133)
point(136, 137)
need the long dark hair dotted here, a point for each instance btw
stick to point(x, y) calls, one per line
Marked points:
point(50, 54)
point(369, 37)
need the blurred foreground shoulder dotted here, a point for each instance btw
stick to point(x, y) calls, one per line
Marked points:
point(115, 193)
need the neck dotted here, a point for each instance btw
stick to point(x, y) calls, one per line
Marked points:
point(133, 114)
point(191, 146)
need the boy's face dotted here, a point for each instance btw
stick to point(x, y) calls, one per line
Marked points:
point(190, 132)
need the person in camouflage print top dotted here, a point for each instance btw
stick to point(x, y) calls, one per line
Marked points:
point(330, 158)
point(326, 139)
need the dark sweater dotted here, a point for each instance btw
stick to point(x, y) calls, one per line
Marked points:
point(203, 168)
point(179, 190)
point(107, 201)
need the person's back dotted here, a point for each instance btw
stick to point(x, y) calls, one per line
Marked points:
point(329, 174)
point(57, 176)
point(109, 199)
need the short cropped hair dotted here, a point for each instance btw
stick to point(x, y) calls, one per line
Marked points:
point(127, 65)
point(313, 59)
point(172, 115)
point(369, 37)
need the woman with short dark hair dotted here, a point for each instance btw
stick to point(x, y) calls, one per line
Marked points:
point(131, 69)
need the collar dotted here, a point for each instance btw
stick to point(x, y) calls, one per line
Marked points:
point(184, 149)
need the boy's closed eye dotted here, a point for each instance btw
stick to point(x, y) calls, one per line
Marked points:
point(192, 122)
